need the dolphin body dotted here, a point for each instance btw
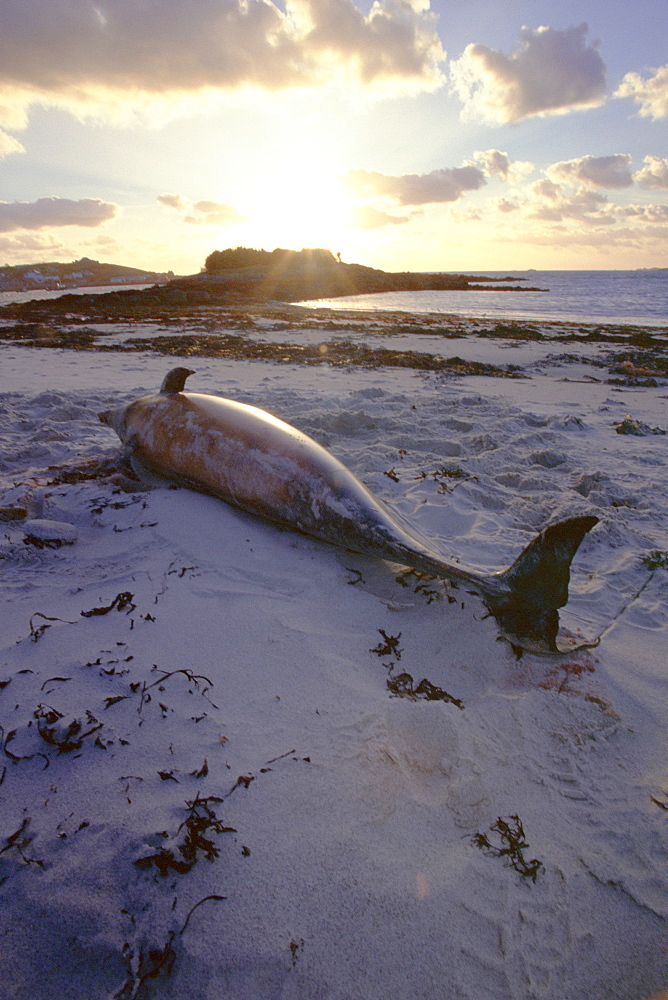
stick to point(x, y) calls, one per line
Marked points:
point(263, 465)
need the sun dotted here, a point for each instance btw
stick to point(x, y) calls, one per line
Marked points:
point(299, 201)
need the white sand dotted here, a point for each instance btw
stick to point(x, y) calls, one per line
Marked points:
point(352, 871)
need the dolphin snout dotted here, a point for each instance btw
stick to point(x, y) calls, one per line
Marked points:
point(115, 419)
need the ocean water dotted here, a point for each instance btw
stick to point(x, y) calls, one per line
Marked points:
point(638, 298)
point(52, 293)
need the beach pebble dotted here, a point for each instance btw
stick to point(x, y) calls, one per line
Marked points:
point(42, 532)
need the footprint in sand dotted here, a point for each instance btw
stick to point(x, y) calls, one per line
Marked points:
point(422, 751)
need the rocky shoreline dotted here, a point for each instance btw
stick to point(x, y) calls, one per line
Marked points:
point(297, 278)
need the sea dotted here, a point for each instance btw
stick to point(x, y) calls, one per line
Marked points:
point(55, 293)
point(634, 298)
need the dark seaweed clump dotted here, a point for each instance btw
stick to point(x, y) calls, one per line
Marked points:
point(509, 841)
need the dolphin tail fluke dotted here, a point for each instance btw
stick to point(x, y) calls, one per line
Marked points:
point(536, 585)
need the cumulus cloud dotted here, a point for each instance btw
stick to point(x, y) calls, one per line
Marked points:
point(550, 202)
point(559, 207)
point(417, 189)
point(654, 174)
point(492, 162)
point(51, 212)
point(83, 54)
point(647, 213)
point(595, 171)
point(650, 94)
point(552, 72)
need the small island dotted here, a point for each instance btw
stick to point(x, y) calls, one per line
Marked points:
point(244, 276)
point(81, 273)
point(294, 276)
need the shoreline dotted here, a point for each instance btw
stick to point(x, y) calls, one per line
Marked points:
point(286, 333)
point(202, 713)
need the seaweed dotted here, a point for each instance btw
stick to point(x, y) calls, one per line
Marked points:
point(513, 331)
point(655, 560)
point(120, 603)
point(147, 964)
point(445, 473)
point(403, 686)
point(422, 586)
point(166, 674)
point(197, 826)
point(294, 950)
point(67, 733)
point(150, 963)
point(202, 771)
point(509, 842)
point(390, 647)
point(19, 841)
point(7, 739)
point(43, 543)
point(108, 702)
point(632, 426)
point(35, 633)
point(206, 899)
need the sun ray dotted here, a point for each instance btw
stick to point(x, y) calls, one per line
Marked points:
point(299, 202)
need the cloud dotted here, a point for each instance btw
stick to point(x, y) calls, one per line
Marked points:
point(493, 162)
point(506, 205)
point(30, 247)
point(647, 213)
point(172, 201)
point(213, 213)
point(650, 94)
point(51, 212)
point(551, 73)
point(87, 56)
point(595, 171)
point(654, 175)
point(203, 213)
point(559, 209)
point(637, 238)
point(417, 189)
point(549, 202)
point(368, 217)
point(397, 39)
point(9, 145)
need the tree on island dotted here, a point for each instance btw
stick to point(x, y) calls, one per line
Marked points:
point(236, 258)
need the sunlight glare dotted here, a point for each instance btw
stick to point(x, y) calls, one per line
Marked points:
point(299, 202)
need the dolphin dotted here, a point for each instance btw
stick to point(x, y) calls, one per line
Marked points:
point(257, 462)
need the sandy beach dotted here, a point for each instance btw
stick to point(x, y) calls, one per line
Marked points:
point(215, 783)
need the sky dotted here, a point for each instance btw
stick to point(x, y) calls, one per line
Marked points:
point(402, 134)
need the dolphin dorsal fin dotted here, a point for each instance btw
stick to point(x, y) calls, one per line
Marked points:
point(175, 380)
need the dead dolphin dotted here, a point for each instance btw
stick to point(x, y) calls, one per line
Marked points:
point(263, 465)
